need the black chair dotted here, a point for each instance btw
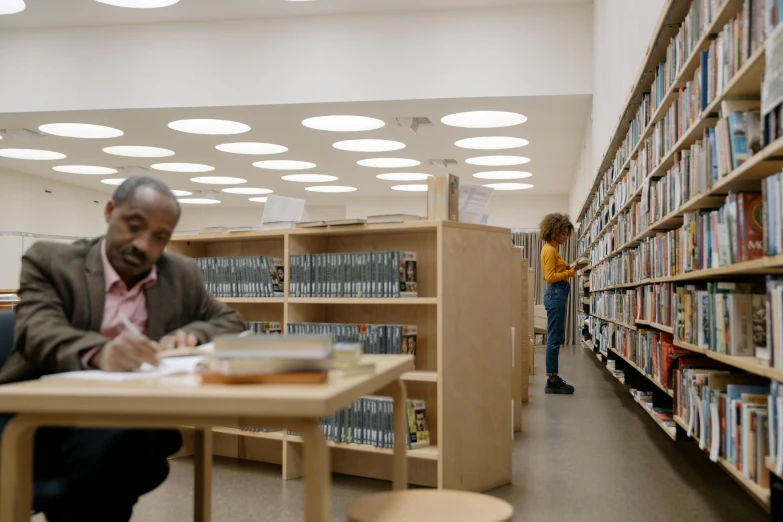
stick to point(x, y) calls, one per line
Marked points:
point(7, 321)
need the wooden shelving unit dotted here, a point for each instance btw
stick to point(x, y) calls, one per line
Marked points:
point(745, 84)
point(657, 421)
point(462, 357)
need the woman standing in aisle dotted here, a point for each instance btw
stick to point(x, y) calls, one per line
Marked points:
point(555, 229)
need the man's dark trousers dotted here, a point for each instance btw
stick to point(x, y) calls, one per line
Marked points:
point(92, 475)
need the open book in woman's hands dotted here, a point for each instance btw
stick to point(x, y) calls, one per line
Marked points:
point(579, 263)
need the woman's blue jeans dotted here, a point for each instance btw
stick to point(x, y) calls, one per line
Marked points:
point(555, 299)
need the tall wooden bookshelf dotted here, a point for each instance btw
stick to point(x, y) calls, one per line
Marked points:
point(595, 223)
point(463, 348)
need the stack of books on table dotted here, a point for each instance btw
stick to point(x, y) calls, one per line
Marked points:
point(268, 359)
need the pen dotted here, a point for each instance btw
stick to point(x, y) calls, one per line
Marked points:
point(129, 325)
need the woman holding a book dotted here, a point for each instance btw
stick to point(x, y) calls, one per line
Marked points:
point(555, 229)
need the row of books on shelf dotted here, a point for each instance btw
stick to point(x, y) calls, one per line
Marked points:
point(727, 413)
point(356, 274)
point(369, 421)
point(739, 39)
point(375, 338)
point(732, 318)
point(362, 274)
point(663, 416)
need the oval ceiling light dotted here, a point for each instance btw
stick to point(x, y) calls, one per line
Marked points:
point(251, 147)
point(113, 181)
point(247, 190)
point(84, 169)
point(343, 123)
point(389, 163)
point(8, 7)
point(483, 119)
point(258, 200)
point(492, 143)
point(331, 188)
point(509, 186)
point(410, 188)
point(284, 165)
point(503, 174)
point(80, 130)
point(404, 176)
point(138, 151)
point(218, 180)
point(310, 178)
point(207, 126)
point(31, 154)
point(199, 201)
point(139, 4)
point(181, 192)
point(369, 145)
point(183, 167)
point(498, 161)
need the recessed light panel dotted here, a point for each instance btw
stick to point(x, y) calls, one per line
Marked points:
point(183, 167)
point(31, 154)
point(113, 181)
point(509, 186)
point(84, 169)
point(218, 180)
point(251, 147)
point(343, 123)
point(330, 188)
point(247, 190)
point(8, 7)
point(483, 119)
point(389, 163)
point(181, 192)
point(284, 165)
point(369, 145)
point(139, 4)
point(206, 126)
point(199, 201)
point(262, 199)
point(138, 151)
point(410, 188)
point(492, 143)
point(498, 161)
point(503, 174)
point(80, 130)
point(310, 178)
point(403, 176)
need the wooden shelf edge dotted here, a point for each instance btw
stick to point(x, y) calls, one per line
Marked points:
point(771, 466)
point(269, 435)
point(251, 300)
point(649, 377)
point(365, 300)
point(655, 419)
point(624, 325)
point(420, 376)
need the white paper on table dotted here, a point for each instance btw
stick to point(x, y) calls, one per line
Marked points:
point(280, 208)
point(168, 366)
point(779, 461)
point(715, 441)
point(691, 414)
point(473, 201)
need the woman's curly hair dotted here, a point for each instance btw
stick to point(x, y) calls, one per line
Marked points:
point(552, 225)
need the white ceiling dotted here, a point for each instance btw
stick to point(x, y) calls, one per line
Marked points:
point(554, 128)
point(59, 13)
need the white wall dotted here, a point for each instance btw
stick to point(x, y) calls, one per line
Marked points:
point(584, 175)
point(622, 30)
point(534, 50)
point(66, 211)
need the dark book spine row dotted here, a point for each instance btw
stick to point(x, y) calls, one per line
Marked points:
point(376, 338)
point(247, 276)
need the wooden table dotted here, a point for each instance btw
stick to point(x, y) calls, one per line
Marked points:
point(180, 401)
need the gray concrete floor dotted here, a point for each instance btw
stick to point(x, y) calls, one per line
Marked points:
point(593, 456)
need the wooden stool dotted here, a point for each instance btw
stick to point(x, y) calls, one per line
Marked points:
point(430, 505)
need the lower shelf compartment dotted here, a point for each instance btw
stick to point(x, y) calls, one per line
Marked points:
point(670, 431)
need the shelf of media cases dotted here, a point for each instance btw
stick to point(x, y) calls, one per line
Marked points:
point(639, 369)
point(761, 495)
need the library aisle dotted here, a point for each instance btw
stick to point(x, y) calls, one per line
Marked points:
point(593, 456)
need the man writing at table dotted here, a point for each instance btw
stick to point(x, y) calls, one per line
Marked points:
point(74, 299)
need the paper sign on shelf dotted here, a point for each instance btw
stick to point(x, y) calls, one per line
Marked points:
point(473, 201)
point(280, 208)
